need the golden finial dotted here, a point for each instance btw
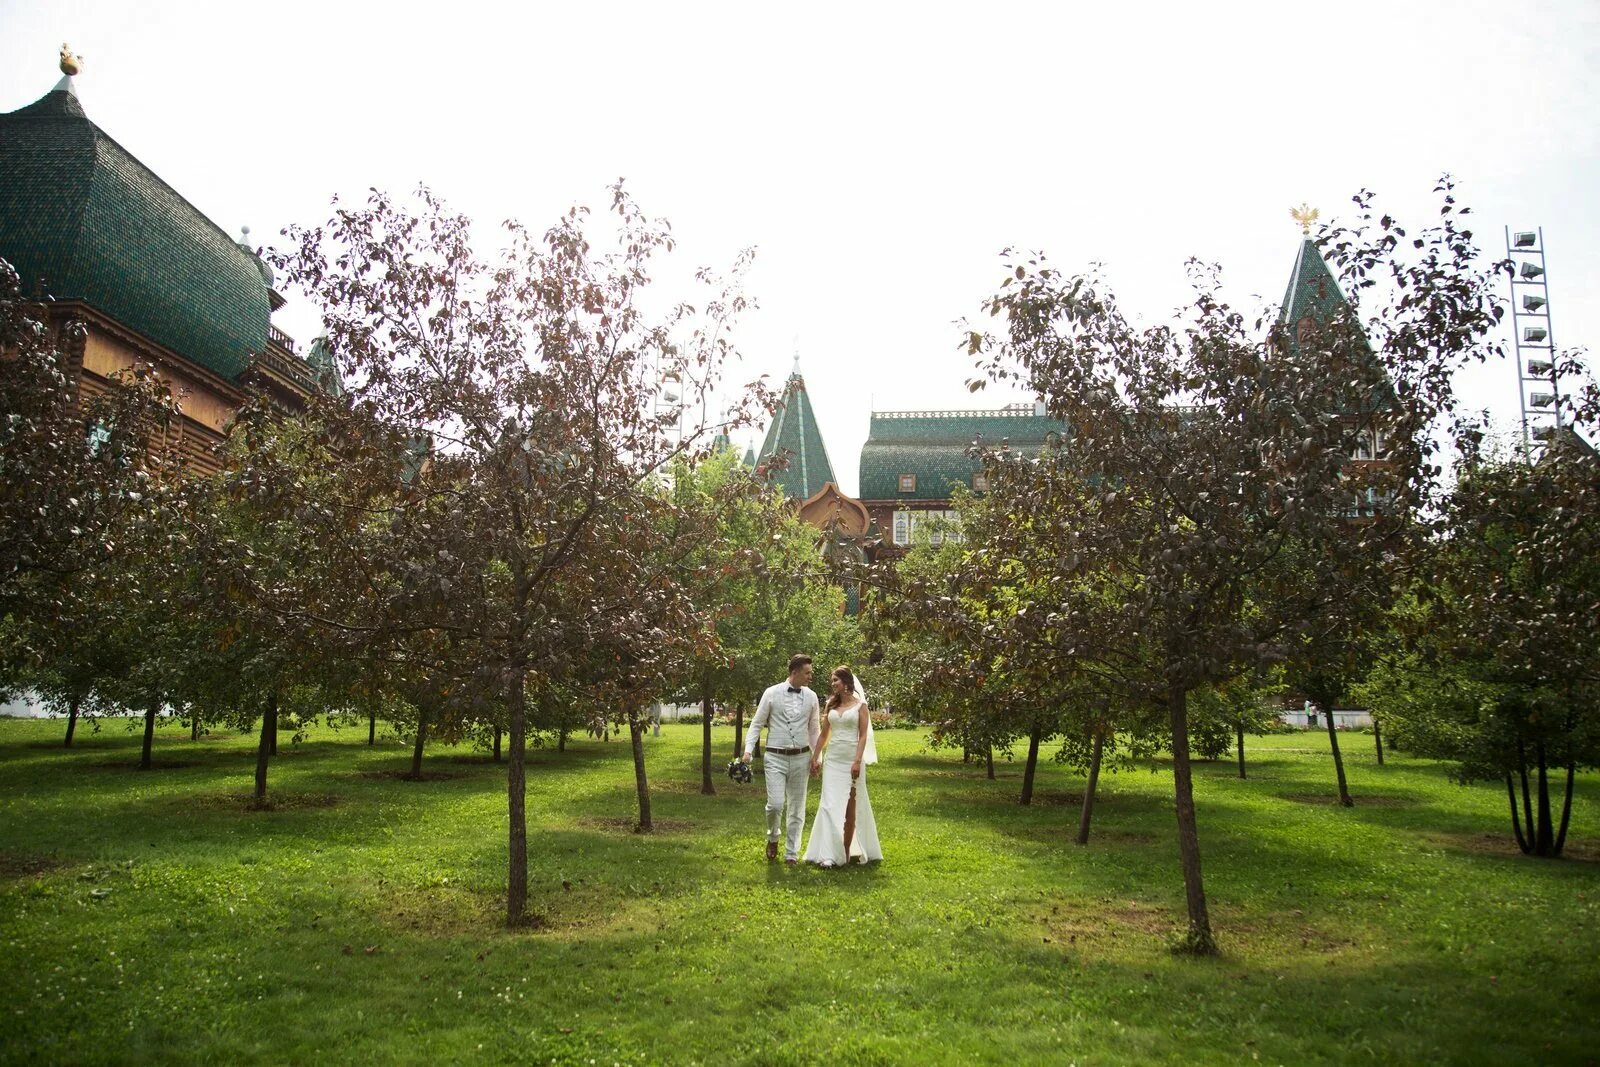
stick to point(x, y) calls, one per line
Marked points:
point(1305, 216)
point(70, 64)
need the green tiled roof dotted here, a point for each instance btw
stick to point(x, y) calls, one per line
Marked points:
point(1314, 291)
point(933, 447)
point(794, 435)
point(324, 368)
point(82, 216)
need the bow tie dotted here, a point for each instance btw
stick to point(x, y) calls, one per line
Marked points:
point(794, 689)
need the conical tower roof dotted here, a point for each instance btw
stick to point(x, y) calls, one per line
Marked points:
point(794, 435)
point(1314, 294)
point(320, 360)
point(1313, 290)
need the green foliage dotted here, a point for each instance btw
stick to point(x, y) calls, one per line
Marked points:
point(1495, 663)
point(84, 536)
point(1218, 712)
point(757, 583)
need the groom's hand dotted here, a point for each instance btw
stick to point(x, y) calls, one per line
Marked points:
point(816, 768)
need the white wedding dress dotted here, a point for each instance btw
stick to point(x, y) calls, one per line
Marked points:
point(827, 829)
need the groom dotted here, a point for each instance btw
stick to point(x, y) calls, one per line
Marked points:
point(789, 711)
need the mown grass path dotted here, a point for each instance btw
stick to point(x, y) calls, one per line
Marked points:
point(148, 916)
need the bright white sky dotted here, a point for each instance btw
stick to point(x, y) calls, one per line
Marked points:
point(878, 156)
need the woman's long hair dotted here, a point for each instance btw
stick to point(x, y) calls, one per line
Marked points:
point(845, 675)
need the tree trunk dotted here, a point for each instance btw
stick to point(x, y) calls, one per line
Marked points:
point(988, 757)
point(517, 803)
point(149, 735)
point(422, 737)
point(272, 738)
point(1527, 797)
point(706, 788)
point(269, 726)
point(72, 717)
point(1089, 791)
point(636, 730)
point(1516, 824)
point(194, 724)
point(372, 726)
point(738, 731)
point(1544, 839)
point(1200, 940)
point(497, 732)
point(1238, 729)
point(1033, 762)
point(561, 739)
point(1566, 809)
point(1377, 738)
point(1338, 760)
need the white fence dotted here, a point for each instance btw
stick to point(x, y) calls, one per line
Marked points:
point(1343, 719)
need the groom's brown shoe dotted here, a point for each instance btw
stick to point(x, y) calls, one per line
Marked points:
point(772, 850)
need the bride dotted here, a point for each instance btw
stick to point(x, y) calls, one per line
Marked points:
point(843, 763)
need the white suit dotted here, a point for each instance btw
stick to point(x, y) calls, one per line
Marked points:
point(791, 716)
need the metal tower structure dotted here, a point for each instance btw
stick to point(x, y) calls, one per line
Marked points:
point(667, 407)
point(1538, 377)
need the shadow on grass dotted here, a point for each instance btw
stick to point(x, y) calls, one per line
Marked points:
point(1503, 847)
point(245, 803)
point(20, 865)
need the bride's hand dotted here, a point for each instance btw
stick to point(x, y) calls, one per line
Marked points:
point(855, 769)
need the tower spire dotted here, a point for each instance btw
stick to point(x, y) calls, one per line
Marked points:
point(795, 436)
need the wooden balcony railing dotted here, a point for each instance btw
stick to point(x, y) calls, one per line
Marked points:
point(277, 337)
point(287, 367)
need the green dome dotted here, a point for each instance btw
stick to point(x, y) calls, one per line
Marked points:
point(86, 220)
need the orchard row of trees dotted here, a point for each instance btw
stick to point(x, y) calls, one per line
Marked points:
point(1243, 505)
point(490, 529)
point(493, 530)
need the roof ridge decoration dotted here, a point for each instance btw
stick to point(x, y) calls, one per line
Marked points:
point(1012, 412)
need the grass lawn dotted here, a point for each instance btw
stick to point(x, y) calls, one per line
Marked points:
point(148, 916)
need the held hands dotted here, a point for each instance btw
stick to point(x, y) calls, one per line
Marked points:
point(855, 770)
point(816, 767)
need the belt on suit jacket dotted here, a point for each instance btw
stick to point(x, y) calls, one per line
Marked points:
point(788, 751)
